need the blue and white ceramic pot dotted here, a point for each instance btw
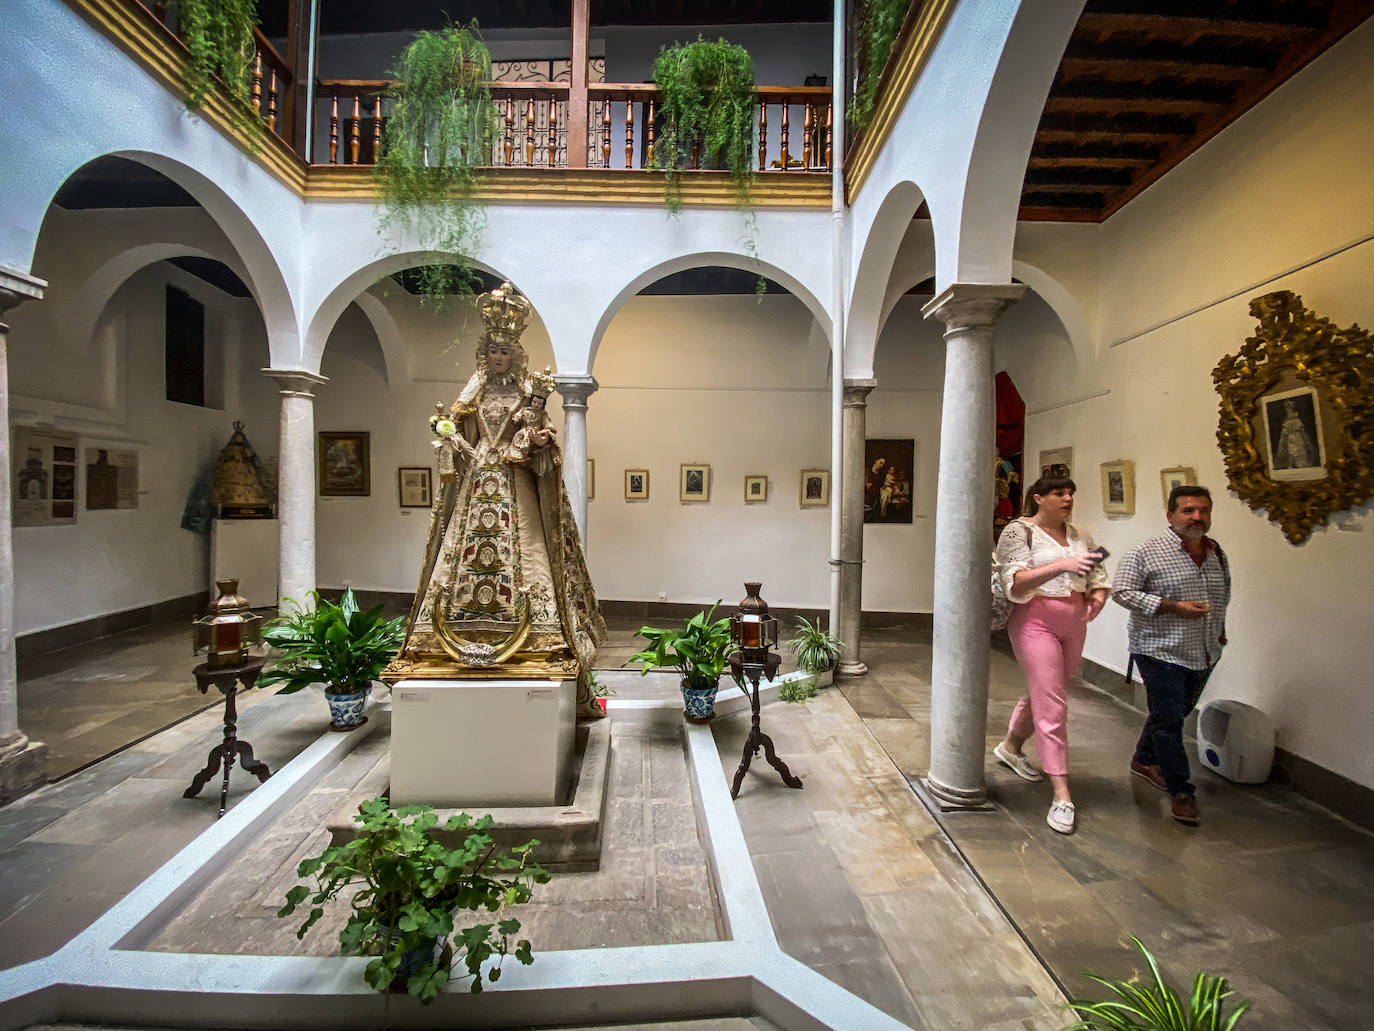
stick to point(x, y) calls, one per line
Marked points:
point(346, 710)
point(699, 703)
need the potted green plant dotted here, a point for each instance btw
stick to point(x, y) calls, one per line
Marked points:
point(440, 132)
point(1157, 1006)
point(817, 651)
point(697, 652)
point(408, 887)
point(220, 48)
point(340, 646)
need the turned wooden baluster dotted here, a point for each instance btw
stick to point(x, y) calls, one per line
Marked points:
point(763, 133)
point(334, 126)
point(553, 132)
point(257, 83)
point(786, 161)
point(377, 129)
point(649, 151)
point(806, 135)
point(830, 117)
point(272, 102)
point(606, 135)
point(508, 137)
point(629, 132)
point(353, 130)
point(529, 133)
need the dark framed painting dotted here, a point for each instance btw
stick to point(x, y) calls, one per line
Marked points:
point(345, 460)
point(889, 466)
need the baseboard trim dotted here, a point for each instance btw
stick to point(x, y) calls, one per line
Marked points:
point(1340, 794)
point(44, 642)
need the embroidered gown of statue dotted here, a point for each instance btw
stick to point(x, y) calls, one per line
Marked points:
point(502, 536)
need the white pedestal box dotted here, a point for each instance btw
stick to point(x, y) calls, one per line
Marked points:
point(246, 550)
point(475, 743)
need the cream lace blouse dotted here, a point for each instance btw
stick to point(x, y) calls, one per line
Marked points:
point(1023, 545)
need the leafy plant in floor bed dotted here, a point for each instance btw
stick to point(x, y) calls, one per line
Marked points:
point(440, 133)
point(408, 888)
point(1157, 1006)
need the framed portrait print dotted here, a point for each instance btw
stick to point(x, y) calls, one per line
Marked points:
point(814, 489)
point(345, 464)
point(1056, 461)
point(414, 483)
point(1293, 435)
point(636, 484)
point(755, 490)
point(888, 468)
point(1118, 488)
point(1173, 477)
point(694, 482)
point(591, 478)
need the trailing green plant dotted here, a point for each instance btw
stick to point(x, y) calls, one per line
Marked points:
point(797, 689)
point(219, 39)
point(708, 101)
point(440, 133)
point(340, 646)
point(408, 887)
point(817, 650)
point(878, 28)
point(1157, 1006)
point(697, 651)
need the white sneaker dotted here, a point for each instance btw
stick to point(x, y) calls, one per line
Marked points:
point(1061, 817)
point(1018, 764)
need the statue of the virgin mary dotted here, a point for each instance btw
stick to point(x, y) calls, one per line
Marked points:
point(504, 590)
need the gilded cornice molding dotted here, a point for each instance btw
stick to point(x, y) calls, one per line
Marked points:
point(916, 50)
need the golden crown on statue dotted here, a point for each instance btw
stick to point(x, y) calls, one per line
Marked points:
point(542, 383)
point(504, 311)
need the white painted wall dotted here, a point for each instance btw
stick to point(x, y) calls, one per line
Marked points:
point(1283, 187)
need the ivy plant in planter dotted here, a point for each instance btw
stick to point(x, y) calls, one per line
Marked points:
point(341, 646)
point(879, 24)
point(440, 133)
point(697, 652)
point(219, 40)
point(408, 888)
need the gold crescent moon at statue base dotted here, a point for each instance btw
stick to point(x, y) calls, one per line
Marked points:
point(476, 653)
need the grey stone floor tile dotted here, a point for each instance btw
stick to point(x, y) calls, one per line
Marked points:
point(31, 865)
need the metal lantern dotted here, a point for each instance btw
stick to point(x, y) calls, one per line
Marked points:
point(228, 629)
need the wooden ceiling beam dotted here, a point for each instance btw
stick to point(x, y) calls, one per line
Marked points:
point(1146, 104)
point(1192, 28)
point(1088, 161)
point(1126, 69)
point(1044, 213)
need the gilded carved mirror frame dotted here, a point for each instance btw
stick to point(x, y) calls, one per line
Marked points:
point(1297, 352)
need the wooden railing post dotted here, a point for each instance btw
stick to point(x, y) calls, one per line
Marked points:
point(606, 135)
point(334, 126)
point(629, 131)
point(806, 135)
point(353, 130)
point(553, 133)
point(786, 161)
point(272, 102)
point(529, 132)
point(377, 129)
point(829, 126)
point(649, 150)
point(509, 135)
point(257, 83)
point(763, 132)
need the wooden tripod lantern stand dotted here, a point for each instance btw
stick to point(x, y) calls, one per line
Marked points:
point(755, 633)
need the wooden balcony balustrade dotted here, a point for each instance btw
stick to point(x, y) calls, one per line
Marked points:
point(622, 121)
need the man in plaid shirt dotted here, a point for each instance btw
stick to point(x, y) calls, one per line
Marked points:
point(1177, 587)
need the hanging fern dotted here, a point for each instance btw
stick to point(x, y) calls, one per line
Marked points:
point(219, 36)
point(878, 28)
point(708, 100)
point(439, 135)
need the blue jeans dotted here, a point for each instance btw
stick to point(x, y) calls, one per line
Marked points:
point(1171, 692)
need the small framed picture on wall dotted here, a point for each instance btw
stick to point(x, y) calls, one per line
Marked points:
point(815, 488)
point(345, 461)
point(1176, 476)
point(755, 490)
point(1118, 488)
point(694, 482)
point(636, 484)
point(414, 485)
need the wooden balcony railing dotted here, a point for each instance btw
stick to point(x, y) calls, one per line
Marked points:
point(794, 125)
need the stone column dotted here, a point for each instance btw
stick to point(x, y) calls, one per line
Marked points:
point(296, 484)
point(963, 543)
point(575, 390)
point(856, 393)
point(23, 763)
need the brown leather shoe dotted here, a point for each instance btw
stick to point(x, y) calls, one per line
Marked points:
point(1151, 774)
point(1184, 810)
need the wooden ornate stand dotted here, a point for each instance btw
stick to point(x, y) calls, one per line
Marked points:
point(757, 738)
point(228, 679)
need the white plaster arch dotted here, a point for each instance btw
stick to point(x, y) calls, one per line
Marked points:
point(681, 263)
point(890, 223)
point(352, 287)
point(1049, 289)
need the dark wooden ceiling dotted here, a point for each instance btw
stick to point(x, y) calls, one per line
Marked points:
point(1144, 83)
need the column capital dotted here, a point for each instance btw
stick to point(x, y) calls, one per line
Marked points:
point(972, 305)
point(296, 382)
point(575, 388)
point(856, 392)
point(17, 287)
